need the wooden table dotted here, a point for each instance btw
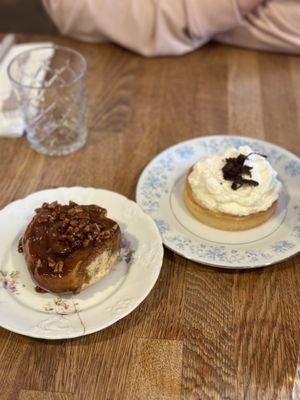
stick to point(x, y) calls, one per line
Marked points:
point(202, 333)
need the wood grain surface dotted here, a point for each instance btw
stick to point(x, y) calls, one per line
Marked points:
point(202, 333)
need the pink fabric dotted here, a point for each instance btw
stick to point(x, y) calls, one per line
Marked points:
point(173, 27)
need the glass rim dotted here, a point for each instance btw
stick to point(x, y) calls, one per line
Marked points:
point(55, 47)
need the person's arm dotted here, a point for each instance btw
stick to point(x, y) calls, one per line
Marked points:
point(246, 6)
point(149, 27)
point(274, 26)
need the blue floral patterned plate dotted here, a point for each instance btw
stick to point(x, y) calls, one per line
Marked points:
point(160, 194)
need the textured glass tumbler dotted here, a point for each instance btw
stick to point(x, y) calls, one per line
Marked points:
point(50, 86)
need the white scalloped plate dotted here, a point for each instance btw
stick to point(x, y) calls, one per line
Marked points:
point(48, 316)
point(160, 194)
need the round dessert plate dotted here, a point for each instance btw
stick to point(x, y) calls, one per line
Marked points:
point(49, 316)
point(160, 194)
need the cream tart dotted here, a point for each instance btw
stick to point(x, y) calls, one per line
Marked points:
point(69, 247)
point(235, 191)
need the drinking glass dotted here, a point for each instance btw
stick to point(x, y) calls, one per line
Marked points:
point(50, 86)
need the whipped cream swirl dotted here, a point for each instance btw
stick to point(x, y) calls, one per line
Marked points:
point(212, 191)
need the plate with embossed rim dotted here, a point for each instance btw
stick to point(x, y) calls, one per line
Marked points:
point(160, 194)
point(48, 316)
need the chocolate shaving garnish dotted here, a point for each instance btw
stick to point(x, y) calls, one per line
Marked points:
point(234, 169)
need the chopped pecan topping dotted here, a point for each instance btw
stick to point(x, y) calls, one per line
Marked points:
point(105, 234)
point(72, 226)
point(51, 262)
point(52, 205)
point(70, 229)
point(62, 216)
point(85, 243)
point(62, 237)
point(59, 266)
point(82, 224)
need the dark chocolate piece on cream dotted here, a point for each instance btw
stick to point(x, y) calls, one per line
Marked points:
point(234, 169)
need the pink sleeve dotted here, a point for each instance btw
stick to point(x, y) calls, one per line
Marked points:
point(149, 27)
point(273, 26)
